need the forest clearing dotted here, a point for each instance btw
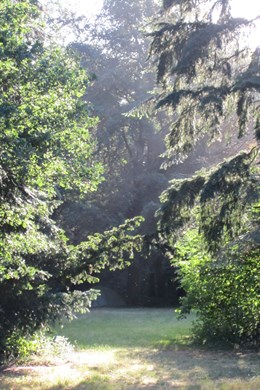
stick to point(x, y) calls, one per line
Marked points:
point(129, 186)
point(133, 349)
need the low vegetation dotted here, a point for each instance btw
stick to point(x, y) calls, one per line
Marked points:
point(132, 349)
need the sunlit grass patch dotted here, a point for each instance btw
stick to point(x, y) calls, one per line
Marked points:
point(127, 328)
point(135, 349)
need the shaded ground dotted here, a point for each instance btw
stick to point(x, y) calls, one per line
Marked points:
point(171, 365)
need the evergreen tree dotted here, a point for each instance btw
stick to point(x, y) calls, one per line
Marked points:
point(210, 82)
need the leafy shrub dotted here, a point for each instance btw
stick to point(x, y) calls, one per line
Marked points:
point(224, 291)
point(40, 345)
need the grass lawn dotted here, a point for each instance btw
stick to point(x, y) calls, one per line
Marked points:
point(134, 349)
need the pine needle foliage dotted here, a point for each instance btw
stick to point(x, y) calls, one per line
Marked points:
point(218, 198)
point(206, 73)
point(209, 80)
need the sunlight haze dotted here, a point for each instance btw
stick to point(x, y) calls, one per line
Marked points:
point(240, 8)
point(85, 7)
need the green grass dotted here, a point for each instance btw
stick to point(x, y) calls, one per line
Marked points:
point(127, 328)
point(133, 349)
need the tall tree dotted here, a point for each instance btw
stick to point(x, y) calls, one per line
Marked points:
point(114, 49)
point(46, 147)
point(210, 81)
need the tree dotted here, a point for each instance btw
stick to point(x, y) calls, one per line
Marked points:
point(46, 156)
point(113, 49)
point(116, 54)
point(210, 81)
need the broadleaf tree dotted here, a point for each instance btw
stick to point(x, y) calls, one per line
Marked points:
point(208, 78)
point(46, 156)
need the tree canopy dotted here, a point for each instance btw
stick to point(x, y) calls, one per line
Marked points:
point(210, 82)
point(46, 147)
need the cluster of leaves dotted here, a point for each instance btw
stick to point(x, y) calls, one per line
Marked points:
point(41, 274)
point(210, 81)
point(224, 292)
point(43, 118)
point(46, 148)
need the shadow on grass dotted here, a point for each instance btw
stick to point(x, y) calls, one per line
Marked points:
point(180, 367)
point(215, 365)
point(183, 368)
point(151, 350)
point(96, 383)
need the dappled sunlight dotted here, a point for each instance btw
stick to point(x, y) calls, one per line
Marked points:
point(69, 369)
point(167, 364)
point(41, 376)
point(94, 358)
point(140, 368)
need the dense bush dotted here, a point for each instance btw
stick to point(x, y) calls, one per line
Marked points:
point(223, 291)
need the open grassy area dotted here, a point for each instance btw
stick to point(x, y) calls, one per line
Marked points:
point(124, 328)
point(134, 349)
